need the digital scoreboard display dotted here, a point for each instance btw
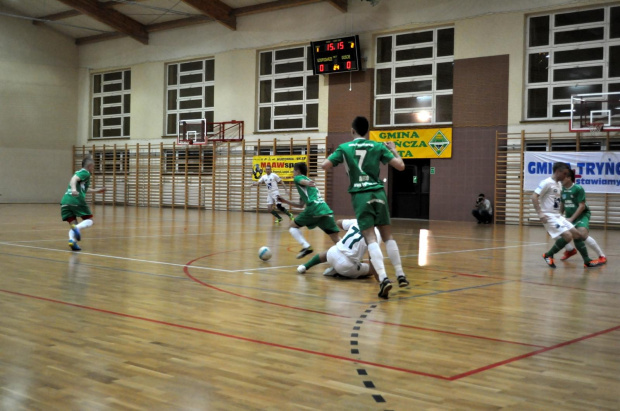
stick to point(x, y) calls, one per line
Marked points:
point(336, 55)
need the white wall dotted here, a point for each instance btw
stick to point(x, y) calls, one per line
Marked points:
point(38, 111)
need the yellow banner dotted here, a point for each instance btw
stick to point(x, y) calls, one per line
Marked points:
point(418, 143)
point(281, 165)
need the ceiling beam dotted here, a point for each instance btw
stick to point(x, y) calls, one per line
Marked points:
point(73, 13)
point(220, 12)
point(339, 4)
point(110, 17)
point(151, 28)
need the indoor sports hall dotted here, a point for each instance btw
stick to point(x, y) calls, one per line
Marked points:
point(164, 115)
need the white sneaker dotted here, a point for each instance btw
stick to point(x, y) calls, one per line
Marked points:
point(301, 269)
point(330, 272)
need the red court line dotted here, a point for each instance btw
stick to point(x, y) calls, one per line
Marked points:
point(459, 334)
point(235, 337)
point(533, 353)
point(186, 270)
point(524, 281)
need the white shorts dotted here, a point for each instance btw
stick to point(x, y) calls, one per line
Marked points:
point(272, 198)
point(344, 265)
point(556, 225)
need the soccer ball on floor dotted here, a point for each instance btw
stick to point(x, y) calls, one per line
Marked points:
point(264, 253)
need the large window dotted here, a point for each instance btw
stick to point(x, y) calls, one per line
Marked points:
point(288, 95)
point(573, 52)
point(414, 76)
point(111, 104)
point(189, 93)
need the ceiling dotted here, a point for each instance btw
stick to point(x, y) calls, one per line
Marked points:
point(90, 21)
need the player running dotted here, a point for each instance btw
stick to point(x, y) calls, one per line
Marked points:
point(73, 203)
point(577, 212)
point(271, 180)
point(361, 158)
point(316, 212)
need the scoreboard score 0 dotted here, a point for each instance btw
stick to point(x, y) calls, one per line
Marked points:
point(336, 55)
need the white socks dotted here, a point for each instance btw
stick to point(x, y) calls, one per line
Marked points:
point(394, 255)
point(376, 258)
point(594, 245)
point(590, 242)
point(296, 233)
point(84, 224)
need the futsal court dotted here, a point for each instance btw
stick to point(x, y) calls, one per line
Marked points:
point(172, 309)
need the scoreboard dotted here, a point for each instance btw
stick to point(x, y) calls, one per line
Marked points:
point(336, 55)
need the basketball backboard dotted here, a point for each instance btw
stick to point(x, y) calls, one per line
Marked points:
point(595, 112)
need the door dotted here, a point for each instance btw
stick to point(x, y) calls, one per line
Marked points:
point(410, 189)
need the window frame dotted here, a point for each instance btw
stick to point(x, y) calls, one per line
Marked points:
point(97, 121)
point(557, 105)
point(273, 106)
point(394, 65)
point(205, 111)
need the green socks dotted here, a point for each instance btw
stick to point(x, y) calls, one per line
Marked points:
point(313, 261)
point(580, 245)
point(559, 244)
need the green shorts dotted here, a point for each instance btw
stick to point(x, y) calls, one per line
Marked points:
point(326, 222)
point(67, 211)
point(371, 208)
point(583, 221)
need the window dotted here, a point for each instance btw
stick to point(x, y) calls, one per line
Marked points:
point(413, 78)
point(190, 91)
point(567, 53)
point(288, 93)
point(111, 104)
point(179, 160)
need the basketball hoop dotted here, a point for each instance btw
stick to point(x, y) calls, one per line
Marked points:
point(595, 127)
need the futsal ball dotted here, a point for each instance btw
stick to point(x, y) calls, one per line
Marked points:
point(264, 253)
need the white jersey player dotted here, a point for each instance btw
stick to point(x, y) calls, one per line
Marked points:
point(271, 180)
point(546, 200)
point(346, 256)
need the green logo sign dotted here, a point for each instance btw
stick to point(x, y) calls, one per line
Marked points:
point(438, 143)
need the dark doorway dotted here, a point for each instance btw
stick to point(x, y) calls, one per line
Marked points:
point(410, 189)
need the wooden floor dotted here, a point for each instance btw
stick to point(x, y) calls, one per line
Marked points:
point(172, 310)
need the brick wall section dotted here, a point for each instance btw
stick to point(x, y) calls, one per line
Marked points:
point(480, 109)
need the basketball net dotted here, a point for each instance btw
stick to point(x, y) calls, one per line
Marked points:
point(595, 127)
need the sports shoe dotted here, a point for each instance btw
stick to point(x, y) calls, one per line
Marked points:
point(278, 220)
point(301, 269)
point(330, 272)
point(593, 263)
point(74, 246)
point(548, 260)
point(305, 251)
point(290, 215)
point(384, 288)
point(568, 254)
point(76, 232)
point(402, 281)
point(602, 259)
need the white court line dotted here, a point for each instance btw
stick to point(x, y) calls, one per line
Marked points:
point(118, 258)
point(475, 249)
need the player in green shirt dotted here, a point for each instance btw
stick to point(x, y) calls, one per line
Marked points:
point(361, 159)
point(73, 203)
point(316, 212)
point(577, 212)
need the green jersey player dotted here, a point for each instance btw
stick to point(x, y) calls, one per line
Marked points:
point(316, 211)
point(577, 212)
point(73, 203)
point(361, 159)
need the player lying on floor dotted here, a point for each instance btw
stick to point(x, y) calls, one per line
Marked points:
point(346, 256)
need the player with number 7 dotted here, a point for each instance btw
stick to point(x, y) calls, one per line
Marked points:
point(361, 159)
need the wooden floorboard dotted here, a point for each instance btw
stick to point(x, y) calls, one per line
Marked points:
point(172, 309)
